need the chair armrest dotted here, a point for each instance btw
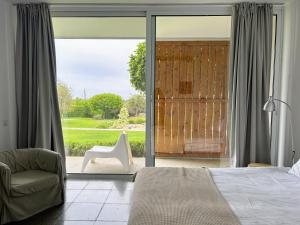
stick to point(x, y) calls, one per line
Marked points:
point(38, 159)
point(47, 160)
point(5, 179)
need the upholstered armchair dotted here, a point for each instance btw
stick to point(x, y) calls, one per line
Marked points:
point(31, 180)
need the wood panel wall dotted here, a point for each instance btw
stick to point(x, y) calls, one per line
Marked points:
point(191, 98)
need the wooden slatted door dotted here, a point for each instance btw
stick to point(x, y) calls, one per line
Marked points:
point(191, 98)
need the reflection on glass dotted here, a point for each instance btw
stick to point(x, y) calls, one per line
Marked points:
point(191, 91)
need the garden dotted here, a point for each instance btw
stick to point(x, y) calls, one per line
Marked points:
point(100, 119)
point(81, 134)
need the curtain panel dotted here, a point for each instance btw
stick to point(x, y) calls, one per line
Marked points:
point(249, 83)
point(38, 122)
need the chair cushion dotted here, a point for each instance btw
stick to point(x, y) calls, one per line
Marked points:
point(31, 181)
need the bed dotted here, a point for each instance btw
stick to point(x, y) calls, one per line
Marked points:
point(260, 196)
point(256, 196)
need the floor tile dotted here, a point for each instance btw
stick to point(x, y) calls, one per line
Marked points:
point(48, 216)
point(110, 223)
point(75, 223)
point(71, 195)
point(82, 211)
point(114, 212)
point(53, 213)
point(119, 197)
point(34, 222)
point(97, 185)
point(97, 196)
point(123, 186)
point(75, 184)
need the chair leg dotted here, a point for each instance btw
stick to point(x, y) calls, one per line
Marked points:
point(84, 163)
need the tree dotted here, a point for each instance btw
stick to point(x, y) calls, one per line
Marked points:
point(80, 108)
point(107, 104)
point(137, 68)
point(64, 97)
point(122, 121)
point(136, 104)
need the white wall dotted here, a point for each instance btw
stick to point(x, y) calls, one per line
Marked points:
point(7, 97)
point(295, 73)
point(290, 81)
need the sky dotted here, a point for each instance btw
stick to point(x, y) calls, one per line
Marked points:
point(95, 65)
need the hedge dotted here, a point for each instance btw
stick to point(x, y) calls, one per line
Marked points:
point(78, 149)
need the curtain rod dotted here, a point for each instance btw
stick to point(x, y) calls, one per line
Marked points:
point(138, 4)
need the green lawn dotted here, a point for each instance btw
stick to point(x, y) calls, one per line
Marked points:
point(78, 141)
point(100, 136)
point(77, 122)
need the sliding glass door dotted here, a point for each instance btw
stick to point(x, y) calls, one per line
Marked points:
point(167, 65)
point(191, 90)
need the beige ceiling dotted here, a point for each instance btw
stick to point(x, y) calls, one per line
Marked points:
point(93, 27)
point(167, 27)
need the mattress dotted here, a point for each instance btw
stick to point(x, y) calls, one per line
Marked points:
point(178, 196)
point(260, 196)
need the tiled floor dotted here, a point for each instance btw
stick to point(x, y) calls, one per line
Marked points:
point(113, 166)
point(89, 202)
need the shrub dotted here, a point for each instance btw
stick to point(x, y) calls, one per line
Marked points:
point(136, 104)
point(137, 120)
point(64, 97)
point(104, 124)
point(107, 104)
point(79, 108)
point(98, 117)
point(78, 149)
point(122, 122)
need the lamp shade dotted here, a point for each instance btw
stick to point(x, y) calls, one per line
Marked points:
point(270, 105)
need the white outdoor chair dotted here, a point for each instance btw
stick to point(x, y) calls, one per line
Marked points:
point(121, 151)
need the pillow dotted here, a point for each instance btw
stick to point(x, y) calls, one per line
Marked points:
point(295, 170)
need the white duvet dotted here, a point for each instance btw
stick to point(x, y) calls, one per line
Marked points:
point(261, 196)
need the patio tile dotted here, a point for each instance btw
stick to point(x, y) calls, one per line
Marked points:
point(71, 195)
point(109, 223)
point(53, 213)
point(123, 186)
point(89, 196)
point(68, 222)
point(82, 211)
point(100, 185)
point(114, 212)
point(119, 197)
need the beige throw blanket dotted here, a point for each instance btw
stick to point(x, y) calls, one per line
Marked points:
point(178, 196)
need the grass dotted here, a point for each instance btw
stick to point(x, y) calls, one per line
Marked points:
point(97, 136)
point(137, 120)
point(77, 122)
point(77, 142)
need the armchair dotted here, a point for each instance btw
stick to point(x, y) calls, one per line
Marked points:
point(31, 180)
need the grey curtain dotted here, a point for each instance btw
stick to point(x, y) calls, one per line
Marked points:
point(249, 83)
point(38, 123)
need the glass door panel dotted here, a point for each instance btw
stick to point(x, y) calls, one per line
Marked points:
point(101, 87)
point(191, 90)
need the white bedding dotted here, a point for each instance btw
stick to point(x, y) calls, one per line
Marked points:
point(261, 196)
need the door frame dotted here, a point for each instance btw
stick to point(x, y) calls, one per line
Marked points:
point(150, 11)
point(204, 10)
